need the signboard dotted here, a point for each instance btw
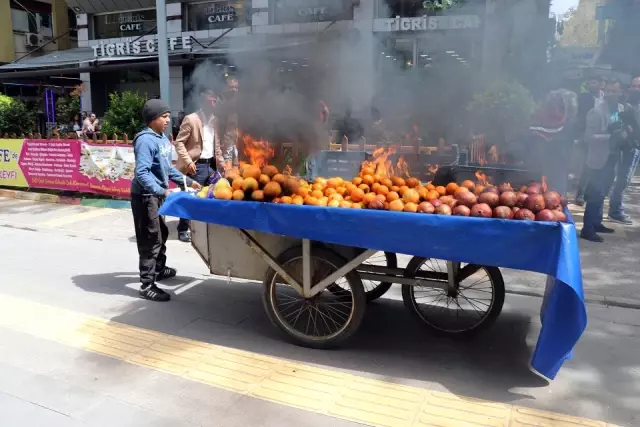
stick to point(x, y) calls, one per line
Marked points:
point(68, 165)
point(300, 11)
point(124, 24)
point(428, 23)
point(215, 14)
point(138, 47)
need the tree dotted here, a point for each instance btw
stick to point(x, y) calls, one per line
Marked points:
point(580, 28)
point(124, 115)
point(67, 107)
point(15, 117)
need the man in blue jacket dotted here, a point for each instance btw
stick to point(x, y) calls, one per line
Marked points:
point(149, 189)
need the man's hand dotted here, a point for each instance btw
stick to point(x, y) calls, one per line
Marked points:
point(195, 185)
point(192, 169)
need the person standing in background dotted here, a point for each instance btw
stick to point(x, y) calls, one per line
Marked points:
point(175, 128)
point(149, 189)
point(629, 156)
point(586, 101)
point(603, 135)
point(90, 126)
point(201, 146)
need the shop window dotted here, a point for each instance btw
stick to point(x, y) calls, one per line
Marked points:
point(215, 14)
point(124, 24)
point(409, 8)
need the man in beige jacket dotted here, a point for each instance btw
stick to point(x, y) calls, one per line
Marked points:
point(204, 146)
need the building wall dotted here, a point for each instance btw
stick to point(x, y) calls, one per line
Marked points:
point(7, 45)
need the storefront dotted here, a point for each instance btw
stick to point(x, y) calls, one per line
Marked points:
point(124, 24)
point(304, 11)
point(214, 15)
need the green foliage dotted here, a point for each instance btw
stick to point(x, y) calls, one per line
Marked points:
point(15, 116)
point(67, 107)
point(502, 111)
point(441, 5)
point(124, 115)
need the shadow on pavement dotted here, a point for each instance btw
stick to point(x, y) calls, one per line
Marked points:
point(391, 344)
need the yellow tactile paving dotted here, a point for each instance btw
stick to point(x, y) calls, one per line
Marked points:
point(81, 216)
point(338, 394)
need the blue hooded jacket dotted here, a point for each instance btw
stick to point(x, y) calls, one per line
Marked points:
point(153, 164)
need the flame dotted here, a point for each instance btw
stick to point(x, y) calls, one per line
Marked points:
point(482, 178)
point(380, 162)
point(402, 168)
point(543, 184)
point(287, 170)
point(259, 152)
point(494, 158)
point(433, 169)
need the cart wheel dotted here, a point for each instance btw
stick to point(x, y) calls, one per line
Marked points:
point(474, 306)
point(324, 321)
point(373, 288)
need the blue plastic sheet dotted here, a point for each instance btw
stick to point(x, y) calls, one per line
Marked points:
point(544, 247)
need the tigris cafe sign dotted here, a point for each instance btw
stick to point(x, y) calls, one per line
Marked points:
point(136, 47)
point(427, 23)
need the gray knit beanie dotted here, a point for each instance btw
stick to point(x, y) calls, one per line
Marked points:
point(153, 109)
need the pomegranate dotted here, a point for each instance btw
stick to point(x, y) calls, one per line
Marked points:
point(505, 187)
point(466, 198)
point(490, 198)
point(551, 199)
point(481, 210)
point(503, 212)
point(490, 190)
point(535, 203)
point(521, 199)
point(545, 215)
point(449, 200)
point(469, 185)
point(461, 210)
point(524, 215)
point(436, 203)
point(426, 207)
point(534, 188)
point(564, 201)
point(376, 204)
point(508, 198)
point(479, 189)
point(560, 216)
point(523, 189)
point(515, 210)
point(443, 210)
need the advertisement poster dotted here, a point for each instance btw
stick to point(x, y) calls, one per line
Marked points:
point(67, 165)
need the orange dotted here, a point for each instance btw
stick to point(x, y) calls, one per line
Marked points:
point(413, 182)
point(377, 177)
point(411, 207)
point(367, 171)
point(238, 195)
point(441, 190)
point(451, 188)
point(364, 187)
point(402, 190)
point(297, 200)
point(386, 182)
point(432, 195)
point(342, 190)
point(336, 196)
point(333, 204)
point(317, 186)
point(357, 181)
point(286, 200)
point(223, 193)
point(382, 189)
point(368, 198)
point(368, 179)
point(329, 191)
point(395, 188)
point(396, 206)
point(423, 192)
point(397, 181)
point(430, 186)
point(322, 201)
point(357, 195)
point(317, 194)
point(237, 183)
point(303, 191)
point(411, 196)
point(345, 204)
point(392, 196)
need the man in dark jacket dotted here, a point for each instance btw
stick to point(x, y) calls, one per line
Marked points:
point(149, 189)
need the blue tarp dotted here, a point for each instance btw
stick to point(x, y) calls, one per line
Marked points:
point(543, 247)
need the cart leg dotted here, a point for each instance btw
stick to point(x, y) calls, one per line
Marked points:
point(351, 265)
point(306, 268)
point(452, 273)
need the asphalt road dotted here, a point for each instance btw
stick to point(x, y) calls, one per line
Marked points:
point(73, 262)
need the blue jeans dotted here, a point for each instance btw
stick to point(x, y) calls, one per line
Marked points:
point(625, 171)
point(600, 181)
point(203, 175)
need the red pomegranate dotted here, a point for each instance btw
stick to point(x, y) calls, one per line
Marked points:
point(490, 190)
point(508, 198)
point(535, 203)
point(560, 216)
point(491, 199)
point(461, 210)
point(523, 189)
point(503, 212)
point(466, 198)
point(525, 215)
point(564, 201)
point(515, 210)
point(505, 187)
point(481, 210)
point(521, 199)
point(426, 207)
point(551, 199)
point(534, 188)
point(443, 209)
point(436, 203)
point(545, 215)
point(449, 200)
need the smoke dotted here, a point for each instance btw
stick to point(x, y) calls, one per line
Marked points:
point(283, 78)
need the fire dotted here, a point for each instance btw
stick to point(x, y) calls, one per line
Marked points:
point(258, 152)
point(402, 168)
point(380, 163)
point(482, 178)
point(543, 183)
point(494, 158)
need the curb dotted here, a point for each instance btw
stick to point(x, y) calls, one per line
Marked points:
point(65, 200)
point(633, 304)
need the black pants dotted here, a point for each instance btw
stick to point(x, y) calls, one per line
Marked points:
point(204, 172)
point(584, 175)
point(151, 236)
point(598, 186)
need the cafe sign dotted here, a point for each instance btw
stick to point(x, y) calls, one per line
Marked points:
point(301, 11)
point(138, 47)
point(214, 15)
point(427, 23)
point(124, 24)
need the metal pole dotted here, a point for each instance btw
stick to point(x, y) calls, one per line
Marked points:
point(163, 52)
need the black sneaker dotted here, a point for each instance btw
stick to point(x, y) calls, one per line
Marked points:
point(592, 237)
point(606, 230)
point(184, 236)
point(154, 293)
point(166, 273)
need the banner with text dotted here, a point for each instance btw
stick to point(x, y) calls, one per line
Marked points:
point(68, 165)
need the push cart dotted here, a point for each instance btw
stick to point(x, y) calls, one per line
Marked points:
point(314, 263)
